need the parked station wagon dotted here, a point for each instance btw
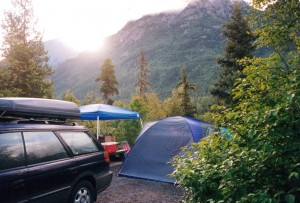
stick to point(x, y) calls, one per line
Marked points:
point(46, 158)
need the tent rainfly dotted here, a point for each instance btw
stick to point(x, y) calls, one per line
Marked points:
point(158, 143)
point(106, 112)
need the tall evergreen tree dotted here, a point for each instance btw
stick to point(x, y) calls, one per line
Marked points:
point(25, 66)
point(188, 108)
point(109, 81)
point(239, 45)
point(143, 83)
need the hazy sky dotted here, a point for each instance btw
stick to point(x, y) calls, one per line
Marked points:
point(84, 23)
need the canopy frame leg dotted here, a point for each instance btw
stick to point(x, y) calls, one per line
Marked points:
point(98, 127)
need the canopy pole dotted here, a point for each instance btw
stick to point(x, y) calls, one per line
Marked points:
point(141, 122)
point(98, 126)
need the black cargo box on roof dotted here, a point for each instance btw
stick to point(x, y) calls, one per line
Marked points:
point(38, 108)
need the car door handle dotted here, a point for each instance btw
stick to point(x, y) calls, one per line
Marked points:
point(18, 184)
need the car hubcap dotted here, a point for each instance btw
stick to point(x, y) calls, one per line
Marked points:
point(82, 196)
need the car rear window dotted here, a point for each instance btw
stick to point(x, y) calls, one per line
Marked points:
point(11, 150)
point(79, 142)
point(43, 147)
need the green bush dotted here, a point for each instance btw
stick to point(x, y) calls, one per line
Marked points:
point(261, 162)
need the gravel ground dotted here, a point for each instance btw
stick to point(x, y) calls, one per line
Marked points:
point(130, 190)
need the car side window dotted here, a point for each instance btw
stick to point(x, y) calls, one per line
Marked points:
point(79, 142)
point(11, 150)
point(43, 147)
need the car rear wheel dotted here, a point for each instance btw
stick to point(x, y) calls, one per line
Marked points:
point(82, 193)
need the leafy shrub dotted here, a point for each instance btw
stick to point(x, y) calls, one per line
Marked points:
point(261, 162)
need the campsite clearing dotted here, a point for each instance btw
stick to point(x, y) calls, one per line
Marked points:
point(128, 190)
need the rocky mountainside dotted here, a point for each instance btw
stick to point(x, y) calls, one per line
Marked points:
point(191, 37)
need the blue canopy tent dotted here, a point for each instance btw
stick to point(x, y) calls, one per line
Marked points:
point(105, 112)
point(158, 143)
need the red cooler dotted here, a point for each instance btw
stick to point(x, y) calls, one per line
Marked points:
point(110, 147)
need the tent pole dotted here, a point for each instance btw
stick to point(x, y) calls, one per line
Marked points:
point(98, 126)
point(141, 122)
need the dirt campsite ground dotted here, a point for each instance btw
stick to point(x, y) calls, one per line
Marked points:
point(131, 190)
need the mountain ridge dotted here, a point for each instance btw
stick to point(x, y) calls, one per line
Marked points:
point(191, 37)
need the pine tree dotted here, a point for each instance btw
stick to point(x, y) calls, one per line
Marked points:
point(109, 81)
point(25, 65)
point(188, 108)
point(239, 45)
point(143, 83)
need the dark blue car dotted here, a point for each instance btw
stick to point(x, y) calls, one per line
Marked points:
point(45, 158)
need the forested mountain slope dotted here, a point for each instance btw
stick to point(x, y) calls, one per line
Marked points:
point(192, 37)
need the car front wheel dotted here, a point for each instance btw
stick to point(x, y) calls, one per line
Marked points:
point(82, 193)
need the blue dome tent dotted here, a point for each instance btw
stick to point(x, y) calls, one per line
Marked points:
point(158, 143)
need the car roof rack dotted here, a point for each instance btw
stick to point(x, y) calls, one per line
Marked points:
point(32, 108)
point(14, 120)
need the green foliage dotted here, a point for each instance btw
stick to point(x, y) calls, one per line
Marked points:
point(266, 123)
point(149, 107)
point(128, 130)
point(25, 65)
point(204, 103)
point(138, 103)
point(109, 81)
point(180, 104)
point(172, 105)
point(207, 117)
point(155, 108)
point(198, 169)
point(260, 162)
point(6, 88)
point(282, 34)
point(69, 96)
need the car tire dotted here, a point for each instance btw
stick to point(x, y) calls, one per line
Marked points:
point(82, 193)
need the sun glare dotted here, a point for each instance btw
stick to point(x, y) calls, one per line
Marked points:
point(84, 42)
point(84, 24)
